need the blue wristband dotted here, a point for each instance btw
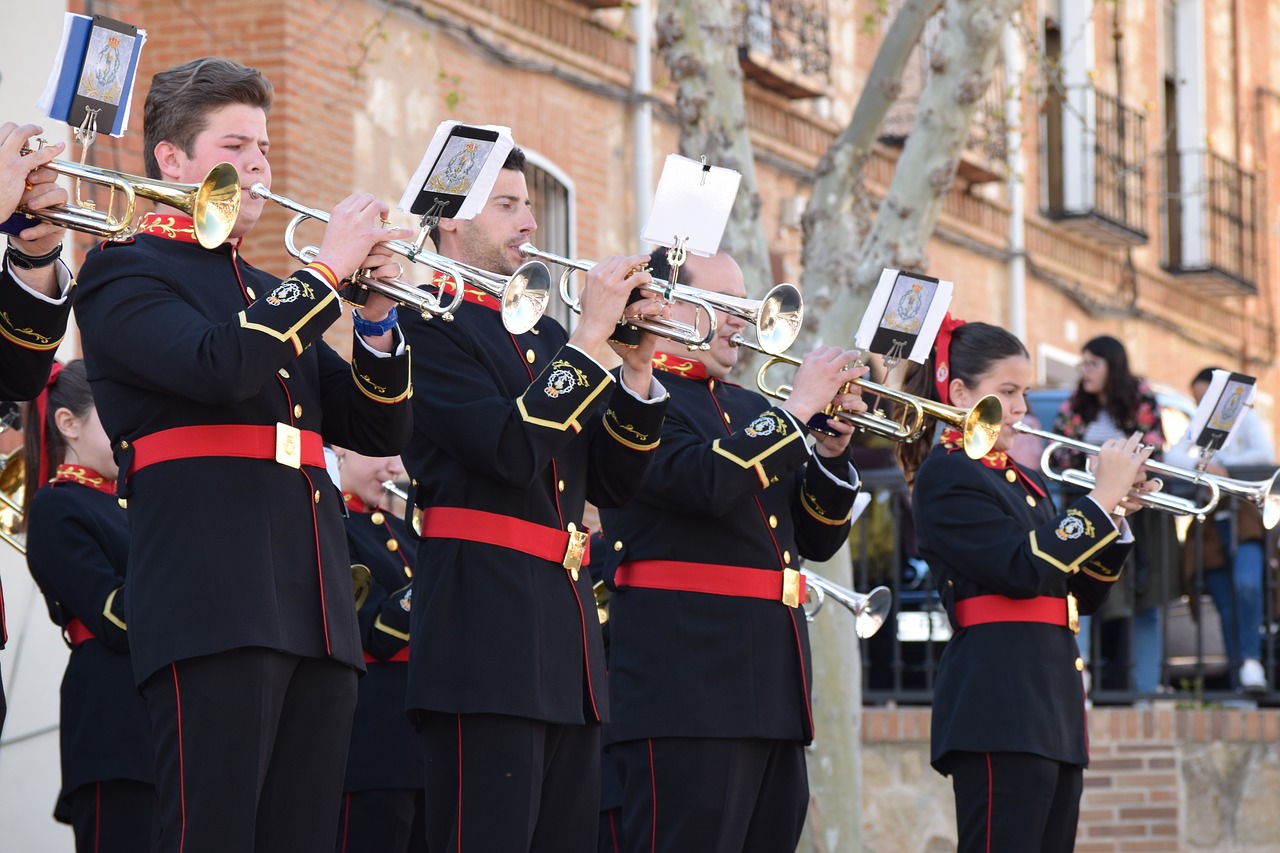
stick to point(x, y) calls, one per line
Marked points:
point(369, 329)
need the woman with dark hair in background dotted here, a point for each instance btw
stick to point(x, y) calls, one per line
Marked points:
point(1110, 402)
point(77, 550)
point(1008, 707)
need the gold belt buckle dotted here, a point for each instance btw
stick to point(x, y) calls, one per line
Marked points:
point(575, 550)
point(288, 445)
point(1073, 613)
point(791, 587)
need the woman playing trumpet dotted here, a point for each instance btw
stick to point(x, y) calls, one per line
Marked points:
point(1008, 708)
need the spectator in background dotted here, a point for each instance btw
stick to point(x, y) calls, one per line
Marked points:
point(1111, 403)
point(1236, 594)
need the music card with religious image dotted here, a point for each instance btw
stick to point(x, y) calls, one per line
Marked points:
point(91, 85)
point(903, 316)
point(1222, 409)
point(457, 173)
point(691, 205)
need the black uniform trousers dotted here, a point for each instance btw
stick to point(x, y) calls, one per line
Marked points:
point(1013, 802)
point(230, 725)
point(119, 816)
point(490, 776)
point(712, 795)
point(387, 820)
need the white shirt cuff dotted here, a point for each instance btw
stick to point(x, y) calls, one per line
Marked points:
point(853, 482)
point(64, 282)
point(398, 349)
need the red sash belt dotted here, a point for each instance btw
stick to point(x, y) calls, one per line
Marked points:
point(401, 656)
point(240, 440)
point(737, 581)
point(984, 609)
point(570, 549)
point(78, 633)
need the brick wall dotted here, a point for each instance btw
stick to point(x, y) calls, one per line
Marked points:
point(1161, 779)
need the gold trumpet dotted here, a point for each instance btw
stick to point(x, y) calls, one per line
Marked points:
point(1263, 494)
point(980, 425)
point(12, 478)
point(869, 609)
point(213, 204)
point(777, 317)
point(522, 295)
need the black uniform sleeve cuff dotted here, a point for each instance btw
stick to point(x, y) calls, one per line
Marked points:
point(386, 380)
point(770, 445)
point(28, 321)
point(393, 618)
point(565, 392)
point(1076, 537)
point(296, 312)
point(633, 423)
point(825, 498)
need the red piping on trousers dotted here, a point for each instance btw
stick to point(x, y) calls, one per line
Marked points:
point(346, 820)
point(182, 781)
point(459, 783)
point(653, 789)
point(990, 794)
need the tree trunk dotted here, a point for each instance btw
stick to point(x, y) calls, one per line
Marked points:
point(698, 42)
point(838, 215)
point(960, 72)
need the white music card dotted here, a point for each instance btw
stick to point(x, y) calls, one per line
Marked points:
point(692, 202)
point(457, 173)
point(903, 316)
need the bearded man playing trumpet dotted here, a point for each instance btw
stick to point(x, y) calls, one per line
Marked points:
point(214, 384)
point(710, 676)
point(506, 661)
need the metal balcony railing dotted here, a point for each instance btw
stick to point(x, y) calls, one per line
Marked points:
point(783, 44)
point(1210, 208)
point(1096, 163)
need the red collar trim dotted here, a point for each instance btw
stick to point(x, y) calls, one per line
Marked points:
point(678, 366)
point(85, 477)
point(469, 294)
point(170, 227)
point(997, 460)
point(355, 503)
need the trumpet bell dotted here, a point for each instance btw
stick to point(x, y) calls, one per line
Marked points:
point(875, 610)
point(524, 299)
point(1271, 503)
point(214, 204)
point(779, 318)
point(870, 610)
point(981, 427)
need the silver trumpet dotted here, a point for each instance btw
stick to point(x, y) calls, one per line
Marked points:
point(869, 609)
point(522, 295)
point(390, 487)
point(1263, 494)
point(777, 317)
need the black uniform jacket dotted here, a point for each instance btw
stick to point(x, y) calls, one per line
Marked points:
point(231, 552)
point(733, 483)
point(1010, 686)
point(77, 550)
point(382, 754)
point(30, 331)
point(527, 427)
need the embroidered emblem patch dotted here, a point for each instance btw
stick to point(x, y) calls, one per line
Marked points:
point(943, 372)
point(1073, 526)
point(406, 601)
point(286, 291)
point(559, 382)
point(764, 425)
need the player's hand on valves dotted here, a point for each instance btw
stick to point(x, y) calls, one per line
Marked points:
point(605, 294)
point(15, 167)
point(1118, 472)
point(823, 375)
point(42, 193)
point(357, 224)
point(849, 401)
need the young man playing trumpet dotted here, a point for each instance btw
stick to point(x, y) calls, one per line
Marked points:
point(213, 382)
point(506, 663)
point(710, 677)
